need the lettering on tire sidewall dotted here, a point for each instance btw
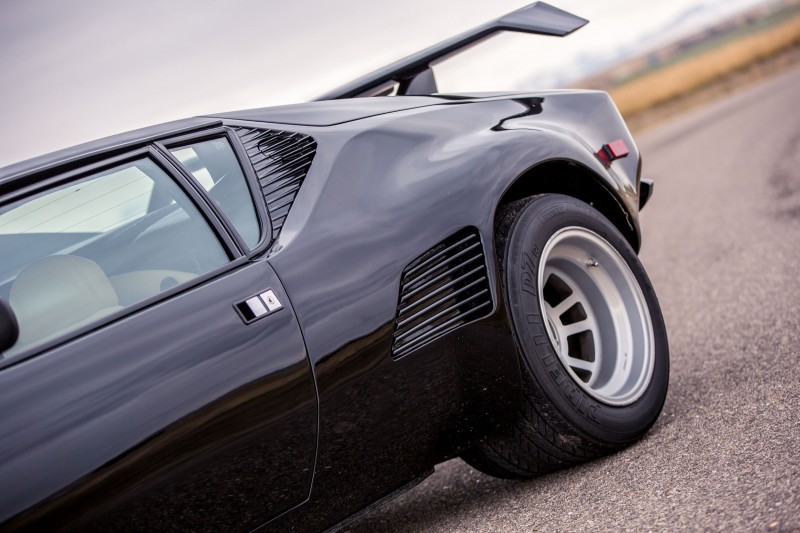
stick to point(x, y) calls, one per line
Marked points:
point(535, 330)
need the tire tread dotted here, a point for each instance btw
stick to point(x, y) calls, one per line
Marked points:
point(540, 441)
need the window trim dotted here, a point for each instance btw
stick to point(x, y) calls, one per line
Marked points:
point(235, 258)
point(186, 187)
point(262, 215)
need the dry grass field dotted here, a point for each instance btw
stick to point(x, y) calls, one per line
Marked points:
point(686, 77)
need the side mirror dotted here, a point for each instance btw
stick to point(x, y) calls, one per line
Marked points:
point(9, 327)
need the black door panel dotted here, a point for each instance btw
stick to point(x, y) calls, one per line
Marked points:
point(179, 415)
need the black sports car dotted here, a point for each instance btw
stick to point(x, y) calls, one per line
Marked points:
point(279, 317)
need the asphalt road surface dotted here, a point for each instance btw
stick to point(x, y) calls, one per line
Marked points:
point(722, 247)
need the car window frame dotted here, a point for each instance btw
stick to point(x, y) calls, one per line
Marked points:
point(235, 256)
point(165, 147)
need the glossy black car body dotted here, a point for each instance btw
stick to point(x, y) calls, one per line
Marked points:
point(177, 413)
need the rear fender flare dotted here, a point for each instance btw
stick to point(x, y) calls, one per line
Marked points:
point(616, 197)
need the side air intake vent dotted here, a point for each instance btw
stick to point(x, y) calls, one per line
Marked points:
point(444, 288)
point(281, 160)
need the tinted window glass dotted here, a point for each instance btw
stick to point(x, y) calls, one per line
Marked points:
point(79, 252)
point(214, 165)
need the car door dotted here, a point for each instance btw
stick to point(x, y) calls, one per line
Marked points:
point(160, 378)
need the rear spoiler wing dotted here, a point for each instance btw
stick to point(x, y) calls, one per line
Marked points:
point(414, 75)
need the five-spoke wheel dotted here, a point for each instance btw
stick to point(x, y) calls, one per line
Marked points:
point(589, 333)
point(597, 317)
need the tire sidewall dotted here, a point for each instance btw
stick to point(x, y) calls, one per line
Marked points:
point(530, 232)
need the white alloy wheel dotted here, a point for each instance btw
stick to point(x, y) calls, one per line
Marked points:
point(597, 317)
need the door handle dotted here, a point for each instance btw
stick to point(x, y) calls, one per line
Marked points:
point(258, 306)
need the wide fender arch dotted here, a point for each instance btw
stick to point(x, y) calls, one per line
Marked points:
point(561, 162)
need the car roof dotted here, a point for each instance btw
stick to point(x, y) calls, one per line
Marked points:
point(320, 113)
point(325, 113)
point(333, 112)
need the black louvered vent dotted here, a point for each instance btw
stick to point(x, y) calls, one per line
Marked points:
point(281, 160)
point(444, 288)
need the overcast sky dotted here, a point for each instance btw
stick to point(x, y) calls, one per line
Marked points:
point(72, 71)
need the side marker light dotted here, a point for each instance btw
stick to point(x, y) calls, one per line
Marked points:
point(613, 151)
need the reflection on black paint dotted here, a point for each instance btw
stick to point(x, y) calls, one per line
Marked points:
point(192, 430)
point(221, 422)
point(392, 189)
point(228, 466)
point(533, 106)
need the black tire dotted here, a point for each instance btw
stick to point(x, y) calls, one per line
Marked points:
point(560, 424)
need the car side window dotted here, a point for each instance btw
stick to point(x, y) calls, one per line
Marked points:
point(214, 165)
point(79, 252)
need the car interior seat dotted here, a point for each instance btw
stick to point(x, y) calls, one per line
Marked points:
point(60, 293)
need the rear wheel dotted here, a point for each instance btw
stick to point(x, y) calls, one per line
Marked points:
point(589, 331)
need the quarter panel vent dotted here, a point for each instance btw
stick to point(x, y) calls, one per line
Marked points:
point(281, 160)
point(443, 289)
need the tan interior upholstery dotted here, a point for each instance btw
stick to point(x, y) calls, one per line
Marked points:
point(60, 293)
